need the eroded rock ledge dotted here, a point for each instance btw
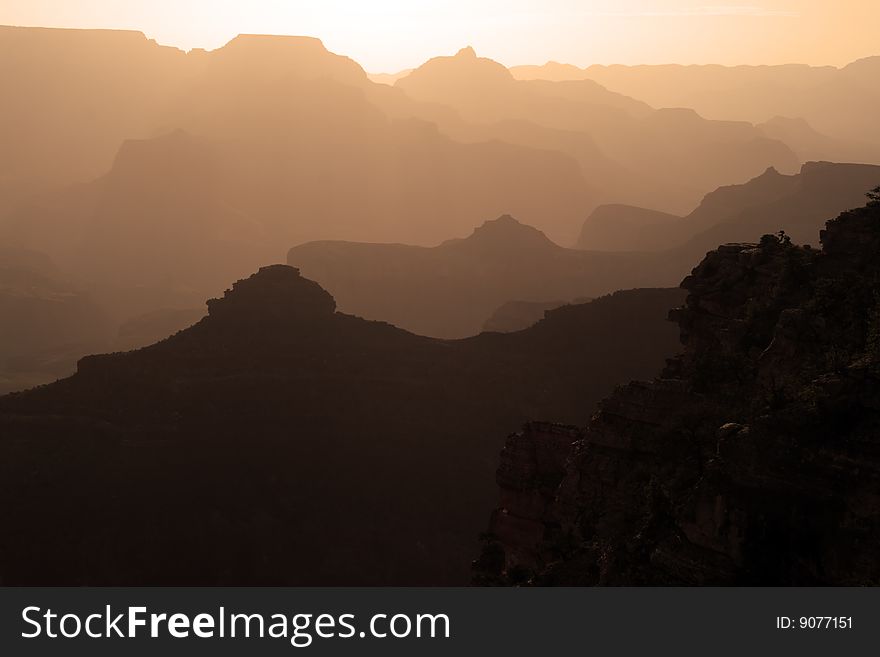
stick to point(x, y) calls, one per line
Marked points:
point(754, 458)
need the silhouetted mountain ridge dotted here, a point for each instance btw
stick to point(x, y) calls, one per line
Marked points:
point(767, 203)
point(840, 102)
point(505, 234)
point(674, 153)
point(262, 443)
point(274, 296)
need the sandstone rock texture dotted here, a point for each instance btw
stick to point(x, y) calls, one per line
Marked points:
point(754, 458)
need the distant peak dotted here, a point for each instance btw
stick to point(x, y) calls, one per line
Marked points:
point(503, 224)
point(680, 114)
point(276, 294)
point(507, 232)
point(504, 220)
point(462, 70)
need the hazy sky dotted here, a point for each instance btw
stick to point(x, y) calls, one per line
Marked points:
point(388, 35)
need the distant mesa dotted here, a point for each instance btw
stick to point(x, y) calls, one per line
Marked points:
point(271, 56)
point(273, 41)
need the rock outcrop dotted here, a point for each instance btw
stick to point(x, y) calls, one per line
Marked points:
point(752, 459)
point(274, 296)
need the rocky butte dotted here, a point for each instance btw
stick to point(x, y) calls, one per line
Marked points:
point(752, 459)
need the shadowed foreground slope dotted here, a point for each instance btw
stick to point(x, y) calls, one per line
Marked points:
point(280, 442)
point(753, 459)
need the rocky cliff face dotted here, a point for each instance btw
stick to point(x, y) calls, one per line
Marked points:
point(753, 459)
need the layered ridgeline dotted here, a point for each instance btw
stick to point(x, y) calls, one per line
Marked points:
point(752, 459)
point(70, 97)
point(274, 139)
point(447, 291)
point(799, 204)
point(626, 148)
point(46, 324)
point(49, 322)
point(155, 176)
point(621, 247)
point(277, 441)
point(839, 102)
point(452, 289)
point(152, 176)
